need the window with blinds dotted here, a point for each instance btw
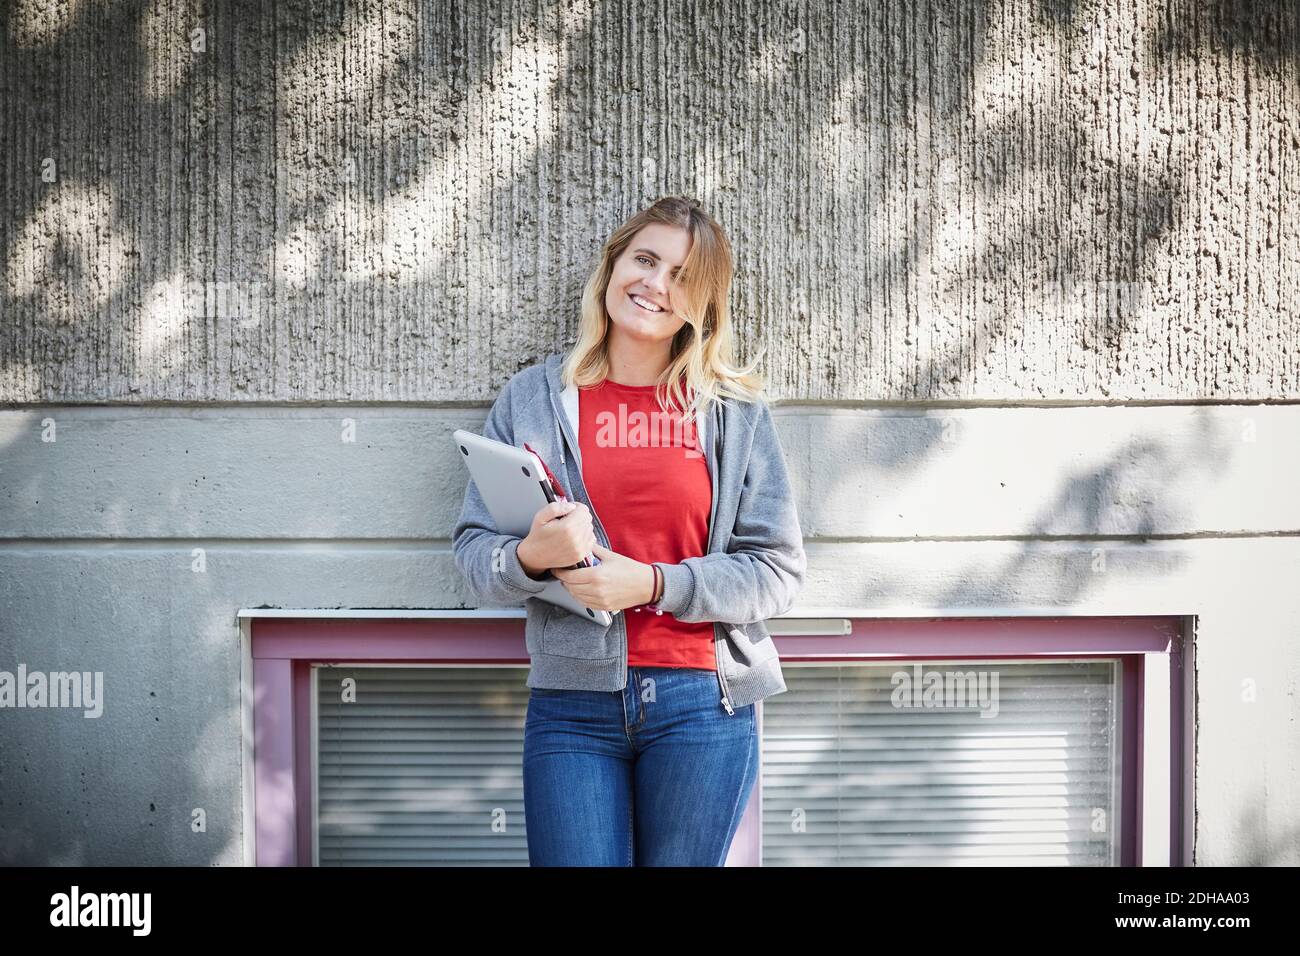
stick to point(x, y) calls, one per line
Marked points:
point(858, 770)
point(420, 766)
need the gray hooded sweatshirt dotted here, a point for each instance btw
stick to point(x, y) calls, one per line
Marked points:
point(752, 568)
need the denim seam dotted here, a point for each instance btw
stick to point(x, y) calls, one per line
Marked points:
point(631, 825)
point(735, 811)
point(627, 732)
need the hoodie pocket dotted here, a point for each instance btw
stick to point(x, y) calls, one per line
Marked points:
point(537, 611)
point(751, 644)
point(565, 634)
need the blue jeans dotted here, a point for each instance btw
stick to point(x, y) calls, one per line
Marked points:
point(656, 774)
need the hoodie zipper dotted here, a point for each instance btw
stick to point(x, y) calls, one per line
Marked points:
point(717, 644)
point(559, 439)
point(717, 654)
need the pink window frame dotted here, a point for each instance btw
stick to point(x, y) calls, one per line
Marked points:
point(1154, 651)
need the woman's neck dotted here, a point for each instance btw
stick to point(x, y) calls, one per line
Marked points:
point(637, 363)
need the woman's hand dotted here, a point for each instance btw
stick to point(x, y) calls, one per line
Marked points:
point(616, 583)
point(560, 537)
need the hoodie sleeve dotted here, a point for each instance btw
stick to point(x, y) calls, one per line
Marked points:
point(762, 574)
point(488, 561)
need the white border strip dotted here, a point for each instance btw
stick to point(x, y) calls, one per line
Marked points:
point(1155, 742)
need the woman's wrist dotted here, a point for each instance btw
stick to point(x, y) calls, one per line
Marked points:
point(533, 571)
point(656, 589)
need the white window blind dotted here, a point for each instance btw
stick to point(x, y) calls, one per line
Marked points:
point(848, 778)
point(423, 769)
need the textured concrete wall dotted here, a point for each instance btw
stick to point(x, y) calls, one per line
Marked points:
point(1175, 510)
point(972, 199)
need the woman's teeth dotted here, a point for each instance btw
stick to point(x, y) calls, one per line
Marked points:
point(644, 304)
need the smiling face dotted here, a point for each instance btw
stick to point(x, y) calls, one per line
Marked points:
point(639, 298)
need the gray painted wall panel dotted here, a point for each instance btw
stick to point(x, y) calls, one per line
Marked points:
point(863, 473)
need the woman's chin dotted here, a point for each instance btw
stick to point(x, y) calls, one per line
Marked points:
point(643, 327)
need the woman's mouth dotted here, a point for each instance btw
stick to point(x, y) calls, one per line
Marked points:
point(644, 305)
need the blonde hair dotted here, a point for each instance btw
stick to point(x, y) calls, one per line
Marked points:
point(702, 348)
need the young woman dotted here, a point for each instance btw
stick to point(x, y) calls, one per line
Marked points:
point(640, 742)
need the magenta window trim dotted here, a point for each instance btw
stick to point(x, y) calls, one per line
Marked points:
point(283, 650)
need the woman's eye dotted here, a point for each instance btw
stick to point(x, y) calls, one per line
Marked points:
point(645, 260)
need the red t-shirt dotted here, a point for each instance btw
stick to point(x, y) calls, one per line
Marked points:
point(648, 480)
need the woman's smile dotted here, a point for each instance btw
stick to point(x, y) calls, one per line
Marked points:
point(645, 303)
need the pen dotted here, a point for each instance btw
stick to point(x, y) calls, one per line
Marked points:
point(555, 482)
